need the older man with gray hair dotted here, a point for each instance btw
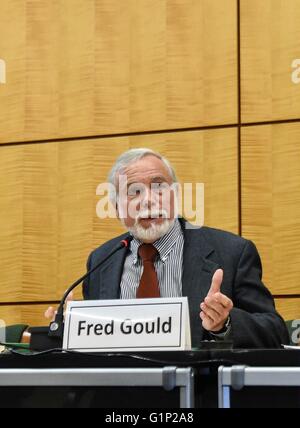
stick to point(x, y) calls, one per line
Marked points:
point(219, 272)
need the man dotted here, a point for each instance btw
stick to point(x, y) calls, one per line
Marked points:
point(219, 272)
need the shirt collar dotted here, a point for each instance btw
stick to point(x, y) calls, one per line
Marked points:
point(163, 245)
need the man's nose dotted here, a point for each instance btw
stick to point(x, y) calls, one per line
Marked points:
point(149, 199)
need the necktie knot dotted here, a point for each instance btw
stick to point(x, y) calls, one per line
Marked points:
point(147, 252)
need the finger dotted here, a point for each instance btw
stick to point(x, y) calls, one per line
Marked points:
point(207, 323)
point(216, 282)
point(220, 302)
point(212, 314)
point(211, 304)
point(50, 313)
point(224, 301)
point(206, 318)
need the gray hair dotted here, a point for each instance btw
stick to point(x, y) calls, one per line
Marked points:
point(129, 157)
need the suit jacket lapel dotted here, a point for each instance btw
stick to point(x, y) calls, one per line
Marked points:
point(111, 274)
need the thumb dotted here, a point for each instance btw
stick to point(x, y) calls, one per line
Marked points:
point(216, 282)
point(50, 313)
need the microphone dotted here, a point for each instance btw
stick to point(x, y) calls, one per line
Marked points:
point(56, 327)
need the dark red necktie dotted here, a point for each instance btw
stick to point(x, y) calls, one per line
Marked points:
point(149, 283)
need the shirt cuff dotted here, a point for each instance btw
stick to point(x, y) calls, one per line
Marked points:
point(225, 331)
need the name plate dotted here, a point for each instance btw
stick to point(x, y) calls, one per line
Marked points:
point(128, 325)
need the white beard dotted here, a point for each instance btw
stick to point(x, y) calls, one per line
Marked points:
point(154, 231)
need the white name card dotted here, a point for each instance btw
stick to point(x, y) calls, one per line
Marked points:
point(128, 325)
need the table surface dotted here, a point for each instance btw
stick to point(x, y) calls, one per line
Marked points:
point(198, 359)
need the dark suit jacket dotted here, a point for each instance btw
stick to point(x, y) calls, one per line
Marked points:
point(254, 320)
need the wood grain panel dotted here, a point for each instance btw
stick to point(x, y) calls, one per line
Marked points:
point(271, 201)
point(94, 67)
point(13, 52)
point(48, 202)
point(270, 34)
point(74, 74)
point(201, 62)
point(32, 315)
point(47, 209)
point(11, 222)
point(40, 219)
point(289, 309)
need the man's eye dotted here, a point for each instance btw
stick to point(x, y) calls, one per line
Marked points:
point(159, 187)
point(134, 191)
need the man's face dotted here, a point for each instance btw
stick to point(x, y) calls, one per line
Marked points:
point(146, 199)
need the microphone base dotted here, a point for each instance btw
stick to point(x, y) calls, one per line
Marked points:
point(41, 341)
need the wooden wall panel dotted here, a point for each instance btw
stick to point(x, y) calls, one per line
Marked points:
point(270, 34)
point(75, 70)
point(46, 211)
point(11, 223)
point(289, 309)
point(48, 205)
point(24, 314)
point(271, 201)
point(12, 50)
point(94, 67)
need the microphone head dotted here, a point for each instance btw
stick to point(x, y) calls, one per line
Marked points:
point(127, 241)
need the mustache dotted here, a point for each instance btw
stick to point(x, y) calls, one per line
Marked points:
point(155, 213)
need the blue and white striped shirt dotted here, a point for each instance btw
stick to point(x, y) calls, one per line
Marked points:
point(168, 265)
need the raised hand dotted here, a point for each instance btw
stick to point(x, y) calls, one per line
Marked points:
point(216, 306)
